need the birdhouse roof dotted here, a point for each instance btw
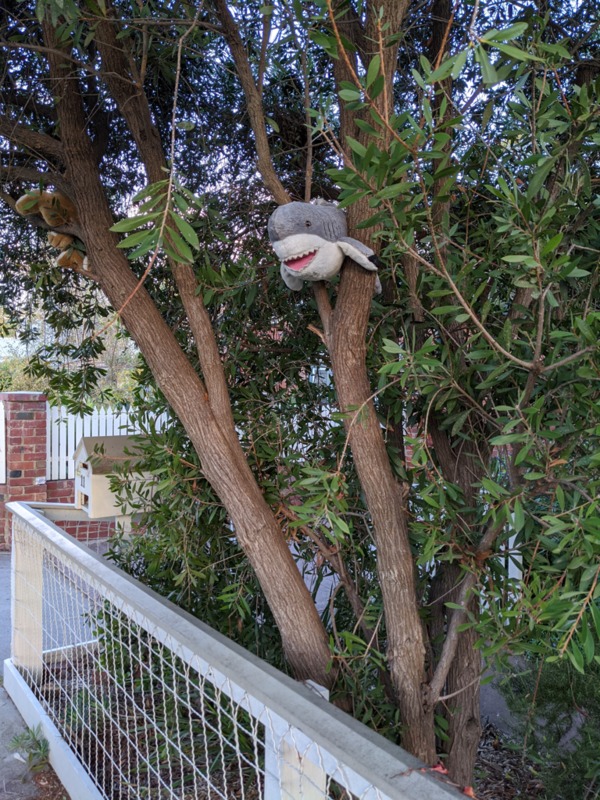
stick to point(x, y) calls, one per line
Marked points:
point(105, 453)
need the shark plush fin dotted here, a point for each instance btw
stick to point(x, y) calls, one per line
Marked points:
point(291, 281)
point(358, 252)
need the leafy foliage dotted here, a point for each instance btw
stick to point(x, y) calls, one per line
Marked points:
point(479, 191)
point(560, 709)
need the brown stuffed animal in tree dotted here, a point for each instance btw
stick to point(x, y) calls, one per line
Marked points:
point(56, 209)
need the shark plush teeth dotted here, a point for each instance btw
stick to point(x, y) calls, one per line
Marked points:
point(311, 243)
point(300, 261)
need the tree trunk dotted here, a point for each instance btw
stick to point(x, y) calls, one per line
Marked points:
point(462, 681)
point(461, 709)
point(345, 332)
point(223, 463)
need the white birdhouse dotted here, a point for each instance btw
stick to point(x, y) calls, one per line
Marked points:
point(95, 458)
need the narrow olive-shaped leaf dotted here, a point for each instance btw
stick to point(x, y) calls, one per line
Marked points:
point(135, 239)
point(443, 71)
point(515, 52)
point(373, 70)
point(494, 35)
point(358, 148)
point(149, 244)
point(488, 71)
point(186, 230)
point(177, 247)
point(131, 223)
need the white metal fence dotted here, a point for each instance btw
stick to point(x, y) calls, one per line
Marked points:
point(151, 703)
point(65, 431)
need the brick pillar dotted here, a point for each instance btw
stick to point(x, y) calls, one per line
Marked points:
point(25, 414)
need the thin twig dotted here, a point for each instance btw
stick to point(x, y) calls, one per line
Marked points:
point(586, 602)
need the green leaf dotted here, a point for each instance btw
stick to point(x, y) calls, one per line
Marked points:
point(131, 223)
point(508, 438)
point(512, 32)
point(488, 71)
point(136, 238)
point(459, 62)
point(328, 43)
point(392, 347)
point(487, 113)
point(365, 127)
point(357, 147)
point(576, 272)
point(388, 192)
point(587, 643)
point(441, 311)
point(518, 516)
point(377, 87)
point(150, 243)
point(459, 423)
point(443, 71)
point(552, 244)
point(515, 52)
point(350, 95)
point(186, 230)
point(545, 167)
point(576, 657)
point(521, 258)
point(373, 70)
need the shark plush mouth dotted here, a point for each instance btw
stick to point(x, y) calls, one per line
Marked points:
point(297, 263)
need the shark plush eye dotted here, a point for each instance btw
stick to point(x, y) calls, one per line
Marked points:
point(308, 223)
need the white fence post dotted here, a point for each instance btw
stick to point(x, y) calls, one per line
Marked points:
point(289, 773)
point(27, 578)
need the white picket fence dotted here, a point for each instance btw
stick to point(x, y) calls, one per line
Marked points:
point(65, 431)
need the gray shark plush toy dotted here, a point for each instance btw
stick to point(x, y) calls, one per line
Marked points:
point(311, 243)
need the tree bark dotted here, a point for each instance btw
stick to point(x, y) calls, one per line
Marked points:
point(462, 679)
point(346, 339)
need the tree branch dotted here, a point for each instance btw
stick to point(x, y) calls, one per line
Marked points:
point(13, 172)
point(40, 144)
point(206, 344)
point(457, 619)
point(133, 106)
point(568, 359)
point(253, 103)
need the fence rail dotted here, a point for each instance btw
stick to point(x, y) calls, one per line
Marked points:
point(154, 704)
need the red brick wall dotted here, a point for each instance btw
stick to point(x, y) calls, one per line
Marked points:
point(88, 530)
point(25, 415)
point(61, 491)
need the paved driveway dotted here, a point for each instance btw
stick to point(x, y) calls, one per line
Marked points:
point(12, 771)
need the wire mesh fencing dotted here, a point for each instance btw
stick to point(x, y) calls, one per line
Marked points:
point(156, 705)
